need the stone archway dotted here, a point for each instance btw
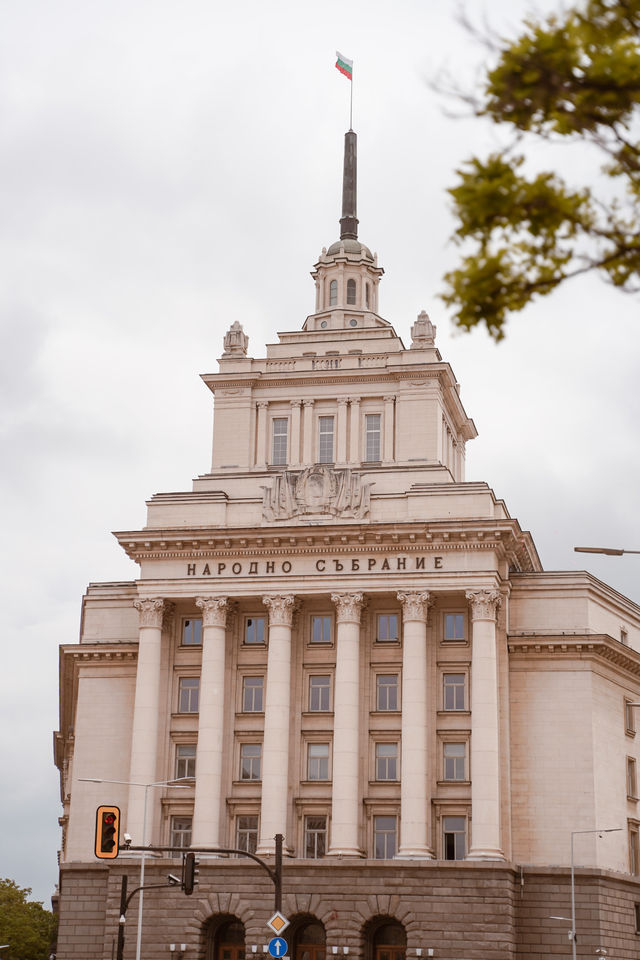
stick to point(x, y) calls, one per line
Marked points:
point(224, 938)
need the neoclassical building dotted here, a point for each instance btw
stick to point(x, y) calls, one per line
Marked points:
point(336, 637)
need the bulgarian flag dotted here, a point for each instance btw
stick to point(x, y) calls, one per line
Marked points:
point(344, 65)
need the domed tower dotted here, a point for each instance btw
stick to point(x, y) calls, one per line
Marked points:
point(347, 274)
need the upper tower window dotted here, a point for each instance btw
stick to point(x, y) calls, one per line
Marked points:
point(279, 451)
point(325, 440)
point(351, 291)
point(372, 436)
point(366, 295)
point(333, 293)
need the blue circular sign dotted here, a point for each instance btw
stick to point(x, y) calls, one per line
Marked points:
point(278, 947)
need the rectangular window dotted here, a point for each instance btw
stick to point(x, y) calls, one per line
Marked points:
point(250, 757)
point(454, 627)
point(386, 761)
point(387, 691)
point(632, 788)
point(254, 631)
point(325, 439)
point(372, 437)
point(315, 837)
point(454, 761)
point(636, 913)
point(634, 850)
point(188, 694)
point(318, 761)
point(630, 717)
point(319, 694)
point(247, 833)
point(279, 450)
point(454, 838)
point(454, 691)
point(180, 831)
point(252, 693)
point(185, 760)
point(321, 629)
point(387, 627)
point(191, 632)
point(384, 837)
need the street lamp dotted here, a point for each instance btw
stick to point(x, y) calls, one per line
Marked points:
point(609, 551)
point(179, 785)
point(572, 932)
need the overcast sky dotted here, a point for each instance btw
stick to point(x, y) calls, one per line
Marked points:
point(169, 167)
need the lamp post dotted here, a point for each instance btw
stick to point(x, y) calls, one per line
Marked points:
point(608, 551)
point(147, 786)
point(572, 932)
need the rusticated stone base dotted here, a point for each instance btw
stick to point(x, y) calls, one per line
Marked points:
point(462, 911)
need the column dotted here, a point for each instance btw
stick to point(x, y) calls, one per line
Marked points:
point(387, 456)
point(341, 439)
point(354, 451)
point(307, 433)
point(275, 748)
point(146, 713)
point(345, 804)
point(415, 802)
point(208, 794)
point(261, 435)
point(294, 458)
point(485, 757)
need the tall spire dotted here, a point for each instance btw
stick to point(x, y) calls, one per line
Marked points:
point(349, 219)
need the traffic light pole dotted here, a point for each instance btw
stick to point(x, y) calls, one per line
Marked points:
point(275, 873)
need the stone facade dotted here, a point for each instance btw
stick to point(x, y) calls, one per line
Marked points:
point(337, 638)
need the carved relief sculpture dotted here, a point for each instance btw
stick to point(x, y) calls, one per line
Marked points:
point(317, 490)
point(235, 341)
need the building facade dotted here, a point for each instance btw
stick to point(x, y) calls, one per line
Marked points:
point(337, 638)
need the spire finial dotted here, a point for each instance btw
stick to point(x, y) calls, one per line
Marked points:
point(349, 219)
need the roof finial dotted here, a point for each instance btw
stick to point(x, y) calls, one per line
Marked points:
point(349, 219)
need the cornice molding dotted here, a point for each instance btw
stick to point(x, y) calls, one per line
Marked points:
point(586, 646)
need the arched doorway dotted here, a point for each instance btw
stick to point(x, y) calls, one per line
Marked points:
point(389, 941)
point(224, 939)
point(309, 940)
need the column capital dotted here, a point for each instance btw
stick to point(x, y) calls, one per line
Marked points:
point(415, 605)
point(349, 606)
point(295, 403)
point(151, 611)
point(214, 611)
point(262, 404)
point(343, 401)
point(353, 400)
point(484, 603)
point(308, 403)
point(389, 398)
point(281, 610)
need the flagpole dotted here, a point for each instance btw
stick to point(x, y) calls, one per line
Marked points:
point(351, 106)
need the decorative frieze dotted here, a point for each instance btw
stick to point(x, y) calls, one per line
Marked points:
point(214, 611)
point(348, 606)
point(281, 610)
point(415, 606)
point(483, 603)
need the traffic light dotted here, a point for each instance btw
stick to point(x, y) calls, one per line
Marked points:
point(107, 831)
point(190, 864)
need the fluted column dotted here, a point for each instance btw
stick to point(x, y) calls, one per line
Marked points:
point(208, 794)
point(294, 458)
point(345, 804)
point(354, 451)
point(146, 713)
point(389, 404)
point(307, 433)
point(341, 444)
point(261, 434)
point(415, 802)
point(485, 741)
point(275, 748)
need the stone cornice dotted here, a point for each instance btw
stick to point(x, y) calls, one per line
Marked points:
point(503, 536)
point(586, 646)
